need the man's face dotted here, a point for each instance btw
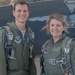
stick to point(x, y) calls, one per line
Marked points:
point(21, 13)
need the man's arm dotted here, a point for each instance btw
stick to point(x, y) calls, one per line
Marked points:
point(32, 67)
point(3, 69)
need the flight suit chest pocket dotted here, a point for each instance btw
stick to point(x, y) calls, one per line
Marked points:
point(56, 52)
point(12, 64)
point(26, 54)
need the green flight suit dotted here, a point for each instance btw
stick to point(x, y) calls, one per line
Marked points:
point(53, 50)
point(21, 64)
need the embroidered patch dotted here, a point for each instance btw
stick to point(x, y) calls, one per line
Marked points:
point(18, 39)
point(46, 50)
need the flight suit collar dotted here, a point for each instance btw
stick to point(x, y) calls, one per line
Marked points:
point(13, 25)
point(61, 38)
point(20, 34)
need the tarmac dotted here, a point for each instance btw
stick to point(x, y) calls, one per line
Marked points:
point(37, 63)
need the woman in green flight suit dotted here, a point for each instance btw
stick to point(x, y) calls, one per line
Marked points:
point(53, 61)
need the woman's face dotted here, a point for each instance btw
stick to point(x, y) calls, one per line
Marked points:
point(56, 28)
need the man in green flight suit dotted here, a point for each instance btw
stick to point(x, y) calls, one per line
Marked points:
point(16, 44)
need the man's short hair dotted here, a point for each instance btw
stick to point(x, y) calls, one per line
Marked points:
point(22, 2)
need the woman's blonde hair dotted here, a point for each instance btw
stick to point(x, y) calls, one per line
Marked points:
point(58, 17)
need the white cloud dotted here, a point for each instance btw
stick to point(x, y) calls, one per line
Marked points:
point(38, 18)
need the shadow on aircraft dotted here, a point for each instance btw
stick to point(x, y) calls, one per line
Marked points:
point(39, 12)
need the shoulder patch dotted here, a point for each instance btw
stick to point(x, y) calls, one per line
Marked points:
point(0, 36)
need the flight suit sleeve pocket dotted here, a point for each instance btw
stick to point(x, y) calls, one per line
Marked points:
point(12, 64)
